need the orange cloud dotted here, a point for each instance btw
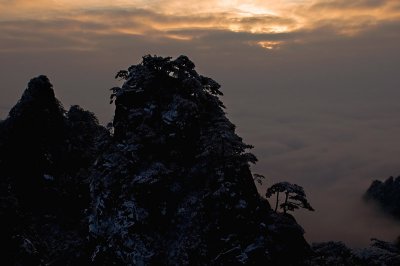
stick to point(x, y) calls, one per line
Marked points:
point(170, 19)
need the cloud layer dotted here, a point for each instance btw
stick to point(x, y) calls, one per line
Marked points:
point(265, 21)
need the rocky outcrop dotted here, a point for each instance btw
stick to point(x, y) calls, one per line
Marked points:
point(336, 253)
point(45, 155)
point(175, 187)
point(386, 194)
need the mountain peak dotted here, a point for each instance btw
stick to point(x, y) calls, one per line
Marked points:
point(178, 179)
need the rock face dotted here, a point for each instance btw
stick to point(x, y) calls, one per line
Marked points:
point(170, 185)
point(336, 253)
point(386, 194)
point(174, 187)
point(45, 153)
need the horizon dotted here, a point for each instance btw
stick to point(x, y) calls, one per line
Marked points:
point(313, 85)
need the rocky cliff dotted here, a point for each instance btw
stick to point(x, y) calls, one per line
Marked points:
point(45, 156)
point(175, 187)
point(386, 194)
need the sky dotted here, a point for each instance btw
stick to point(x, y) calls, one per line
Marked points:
point(314, 85)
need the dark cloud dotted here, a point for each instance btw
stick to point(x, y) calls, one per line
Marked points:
point(268, 19)
point(227, 35)
point(116, 14)
point(354, 4)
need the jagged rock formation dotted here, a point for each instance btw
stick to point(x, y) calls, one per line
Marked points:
point(336, 253)
point(332, 254)
point(386, 194)
point(174, 187)
point(170, 185)
point(45, 154)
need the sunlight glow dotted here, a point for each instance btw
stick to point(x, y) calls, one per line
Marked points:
point(139, 17)
point(269, 45)
point(251, 10)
